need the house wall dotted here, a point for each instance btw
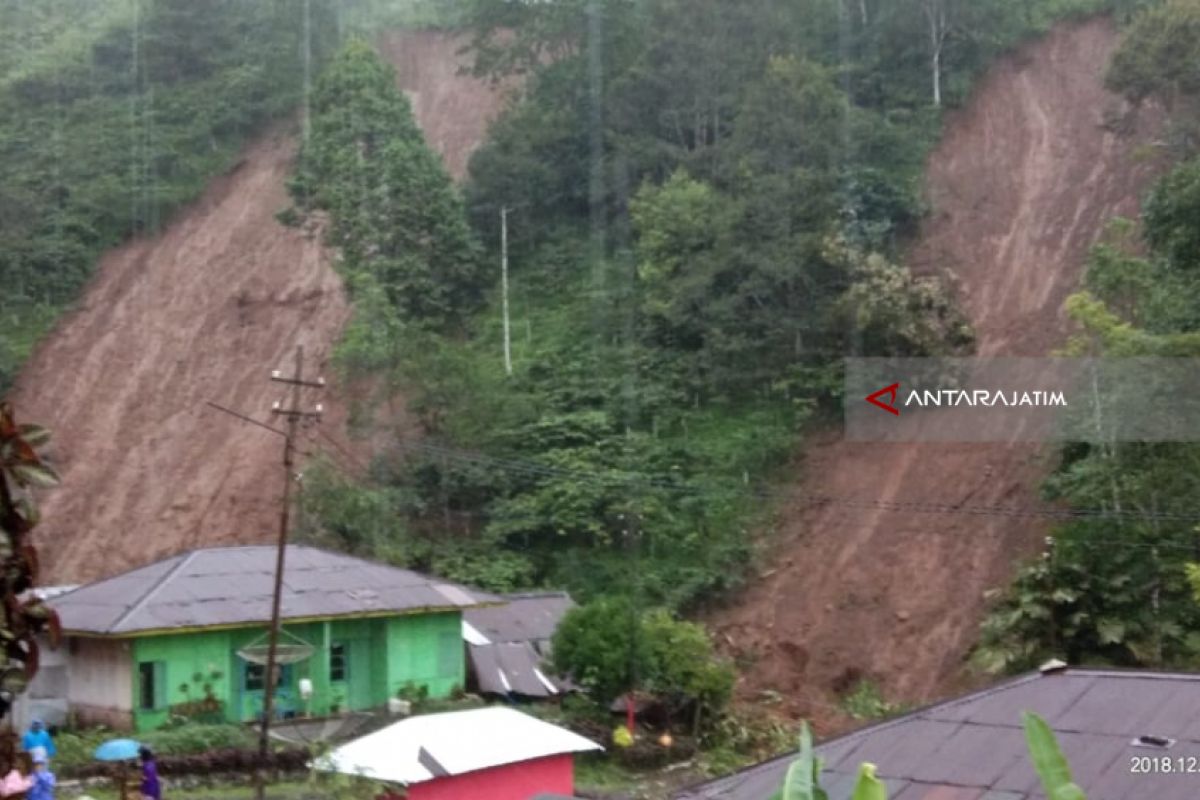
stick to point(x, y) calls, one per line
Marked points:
point(520, 781)
point(46, 698)
point(426, 650)
point(99, 682)
point(383, 655)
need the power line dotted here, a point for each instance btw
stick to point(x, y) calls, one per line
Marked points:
point(857, 505)
point(639, 480)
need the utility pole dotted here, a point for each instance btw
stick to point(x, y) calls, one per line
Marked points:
point(293, 415)
point(504, 288)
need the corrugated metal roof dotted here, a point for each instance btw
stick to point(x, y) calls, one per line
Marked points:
point(973, 748)
point(233, 586)
point(508, 643)
point(531, 617)
point(419, 748)
point(512, 668)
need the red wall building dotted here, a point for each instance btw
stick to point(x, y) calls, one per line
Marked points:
point(520, 781)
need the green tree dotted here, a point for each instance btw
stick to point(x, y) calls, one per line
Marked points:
point(397, 218)
point(1172, 209)
point(600, 646)
point(612, 649)
point(1157, 53)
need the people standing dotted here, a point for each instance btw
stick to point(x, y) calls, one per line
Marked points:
point(43, 780)
point(151, 790)
point(38, 737)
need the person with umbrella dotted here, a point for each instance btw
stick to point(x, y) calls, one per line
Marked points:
point(38, 737)
point(151, 790)
point(120, 752)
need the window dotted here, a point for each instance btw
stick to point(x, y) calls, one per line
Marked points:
point(337, 661)
point(450, 654)
point(152, 685)
point(254, 676)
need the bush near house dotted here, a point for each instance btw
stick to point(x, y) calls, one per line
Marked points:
point(612, 648)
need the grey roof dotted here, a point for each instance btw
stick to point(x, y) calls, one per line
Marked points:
point(517, 634)
point(531, 617)
point(512, 668)
point(233, 586)
point(973, 748)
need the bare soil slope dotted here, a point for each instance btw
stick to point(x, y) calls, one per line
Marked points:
point(1021, 186)
point(204, 311)
point(452, 109)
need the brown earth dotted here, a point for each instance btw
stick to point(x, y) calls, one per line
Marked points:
point(204, 311)
point(453, 110)
point(1021, 186)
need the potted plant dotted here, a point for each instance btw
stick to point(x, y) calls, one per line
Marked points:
point(335, 707)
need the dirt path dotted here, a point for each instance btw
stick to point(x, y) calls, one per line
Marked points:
point(1021, 185)
point(204, 311)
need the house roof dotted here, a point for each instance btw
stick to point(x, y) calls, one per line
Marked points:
point(423, 748)
point(531, 617)
point(509, 642)
point(512, 668)
point(973, 748)
point(223, 586)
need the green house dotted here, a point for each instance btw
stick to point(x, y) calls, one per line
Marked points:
point(187, 635)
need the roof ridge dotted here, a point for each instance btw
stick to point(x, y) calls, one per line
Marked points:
point(184, 559)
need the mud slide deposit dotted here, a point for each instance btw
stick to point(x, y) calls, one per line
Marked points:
point(1021, 186)
point(204, 311)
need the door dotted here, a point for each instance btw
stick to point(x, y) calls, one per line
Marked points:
point(252, 696)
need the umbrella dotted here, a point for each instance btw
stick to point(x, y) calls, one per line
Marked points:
point(117, 750)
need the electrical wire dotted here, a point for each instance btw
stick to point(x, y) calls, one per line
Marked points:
point(849, 503)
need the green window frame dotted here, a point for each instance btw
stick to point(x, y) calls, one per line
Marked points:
point(152, 685)
point(339, 662)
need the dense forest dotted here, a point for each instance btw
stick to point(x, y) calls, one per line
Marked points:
point(706, 207)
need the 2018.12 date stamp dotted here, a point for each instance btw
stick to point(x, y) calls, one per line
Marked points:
point(1164, 765)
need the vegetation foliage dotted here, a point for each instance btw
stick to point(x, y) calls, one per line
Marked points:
point(22, 469)
point(612, 649)
point(1115, 590)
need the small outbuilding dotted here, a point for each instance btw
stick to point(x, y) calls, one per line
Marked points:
point(495, 752)
point(509, 643)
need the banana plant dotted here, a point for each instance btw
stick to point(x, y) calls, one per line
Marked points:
point(1049, 761)
point(868, 786)
point(802, 781)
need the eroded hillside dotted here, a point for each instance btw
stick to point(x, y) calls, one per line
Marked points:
point(1021, 185)
point(204, 311)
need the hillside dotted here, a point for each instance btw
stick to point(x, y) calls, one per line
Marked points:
point(204, 311)
point(1021, 185)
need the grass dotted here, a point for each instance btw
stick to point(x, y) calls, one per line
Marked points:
point(75, 748)
point(293, 790)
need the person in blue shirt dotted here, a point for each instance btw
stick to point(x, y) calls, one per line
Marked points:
point(38, 736)
point(43, 780)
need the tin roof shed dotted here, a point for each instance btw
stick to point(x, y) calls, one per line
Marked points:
point(432, 746)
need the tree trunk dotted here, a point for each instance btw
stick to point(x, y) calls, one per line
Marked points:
point(935, 15)
point(937, 77)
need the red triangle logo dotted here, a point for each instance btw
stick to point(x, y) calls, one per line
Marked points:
point(890, 405)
